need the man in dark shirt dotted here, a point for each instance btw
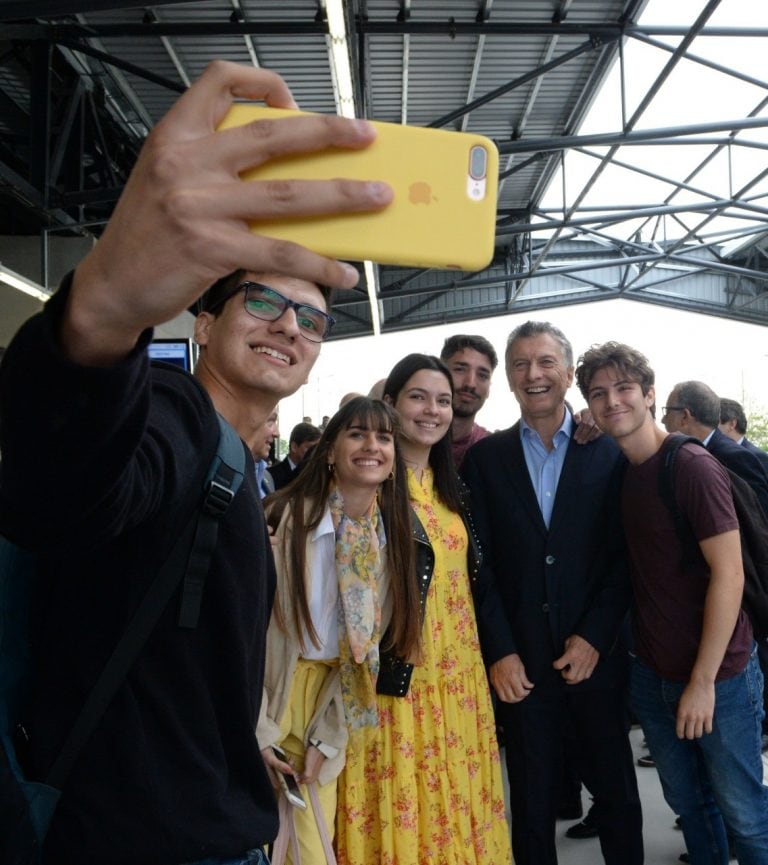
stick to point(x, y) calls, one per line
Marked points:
point(104, 457)
point(696, 682)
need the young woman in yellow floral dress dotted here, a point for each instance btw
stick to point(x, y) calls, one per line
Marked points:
point(425, 787)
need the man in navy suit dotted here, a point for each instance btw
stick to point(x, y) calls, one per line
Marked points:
point(733, 423)
point(551, 599)
point(304, 436)
point(693, 408)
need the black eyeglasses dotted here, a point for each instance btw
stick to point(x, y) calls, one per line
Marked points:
point(666, 409)
point(265, 303)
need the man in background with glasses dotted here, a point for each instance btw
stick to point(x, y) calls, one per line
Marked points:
point(693, 409)
point(104, 457)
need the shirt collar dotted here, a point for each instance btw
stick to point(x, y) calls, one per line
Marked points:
point(325, 526)
point(565, 428)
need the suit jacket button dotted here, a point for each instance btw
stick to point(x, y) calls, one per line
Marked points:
point(545, 608)
point(550, 560)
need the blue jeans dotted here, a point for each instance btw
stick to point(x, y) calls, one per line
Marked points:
point(716, 780)
point(252, 857)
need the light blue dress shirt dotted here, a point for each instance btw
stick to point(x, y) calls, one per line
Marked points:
point(261, 467)
point(544, 467)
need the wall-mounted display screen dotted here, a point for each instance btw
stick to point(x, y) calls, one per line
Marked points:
point(172, 350)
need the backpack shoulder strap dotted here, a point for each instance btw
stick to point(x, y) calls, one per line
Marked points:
point(667, 473)
point(224, 479)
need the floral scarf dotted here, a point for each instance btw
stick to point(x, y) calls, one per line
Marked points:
point(359, 566)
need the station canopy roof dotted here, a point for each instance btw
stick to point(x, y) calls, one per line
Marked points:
point(632, 133)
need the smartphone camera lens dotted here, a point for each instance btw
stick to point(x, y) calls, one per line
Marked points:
point(478, 160)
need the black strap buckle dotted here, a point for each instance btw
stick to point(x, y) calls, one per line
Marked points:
point(217, 499)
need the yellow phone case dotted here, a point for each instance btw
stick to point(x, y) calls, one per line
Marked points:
point(440, 217)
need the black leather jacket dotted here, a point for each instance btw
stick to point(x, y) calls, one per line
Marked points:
point(395, 673)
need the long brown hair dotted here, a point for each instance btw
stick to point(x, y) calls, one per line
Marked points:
point(306, 497)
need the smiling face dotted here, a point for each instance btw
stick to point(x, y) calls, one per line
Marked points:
point(424, 406)
point(539, 377)
point(362, 457)
point(618, 405)
point(249, 358)
point(471, 372)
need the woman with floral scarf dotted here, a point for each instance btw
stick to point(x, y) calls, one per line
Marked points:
point(345, 576)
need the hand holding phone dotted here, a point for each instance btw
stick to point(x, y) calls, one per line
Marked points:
point(445, 187)
point(287, 782)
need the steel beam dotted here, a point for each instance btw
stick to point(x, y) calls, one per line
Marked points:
point(643, 136)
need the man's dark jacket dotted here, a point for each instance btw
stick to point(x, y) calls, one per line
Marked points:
point(740, 461)
point(282, 473)
point(761, 455)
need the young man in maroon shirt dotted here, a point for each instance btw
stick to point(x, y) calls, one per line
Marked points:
point(696, 685)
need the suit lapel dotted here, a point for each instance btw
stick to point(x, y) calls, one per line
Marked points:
point(575, 466)
point(516, 473)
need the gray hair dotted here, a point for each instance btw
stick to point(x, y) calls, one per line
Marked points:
point(700, 400)
point(536, 328)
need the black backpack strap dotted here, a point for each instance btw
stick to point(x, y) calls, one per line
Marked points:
point(223, 481)
point(667, 474)
point(224, 478)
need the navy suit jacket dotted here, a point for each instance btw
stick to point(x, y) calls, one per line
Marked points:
point(758, 452)
point(282, 473)
point(741, 461)
point(536, 586)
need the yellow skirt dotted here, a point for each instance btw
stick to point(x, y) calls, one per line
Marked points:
point(305, 689)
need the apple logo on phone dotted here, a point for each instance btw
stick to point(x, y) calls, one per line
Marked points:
point(420, 193)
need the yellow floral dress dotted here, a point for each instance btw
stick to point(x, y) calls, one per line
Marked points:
point(425, 787)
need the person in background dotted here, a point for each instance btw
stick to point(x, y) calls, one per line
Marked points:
point(471, 361)
point(733, 423)
point(262, 446)
point(304, 436)
point(693, 409)
point(347, 397)
point(346, 572)
point(377, 390)
point(425, 785)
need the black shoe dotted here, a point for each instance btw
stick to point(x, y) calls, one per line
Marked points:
point(569, 811)
point(647, 762)
point(684, 857)
point(585, 829)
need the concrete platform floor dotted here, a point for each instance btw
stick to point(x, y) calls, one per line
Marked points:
point(663, 843)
